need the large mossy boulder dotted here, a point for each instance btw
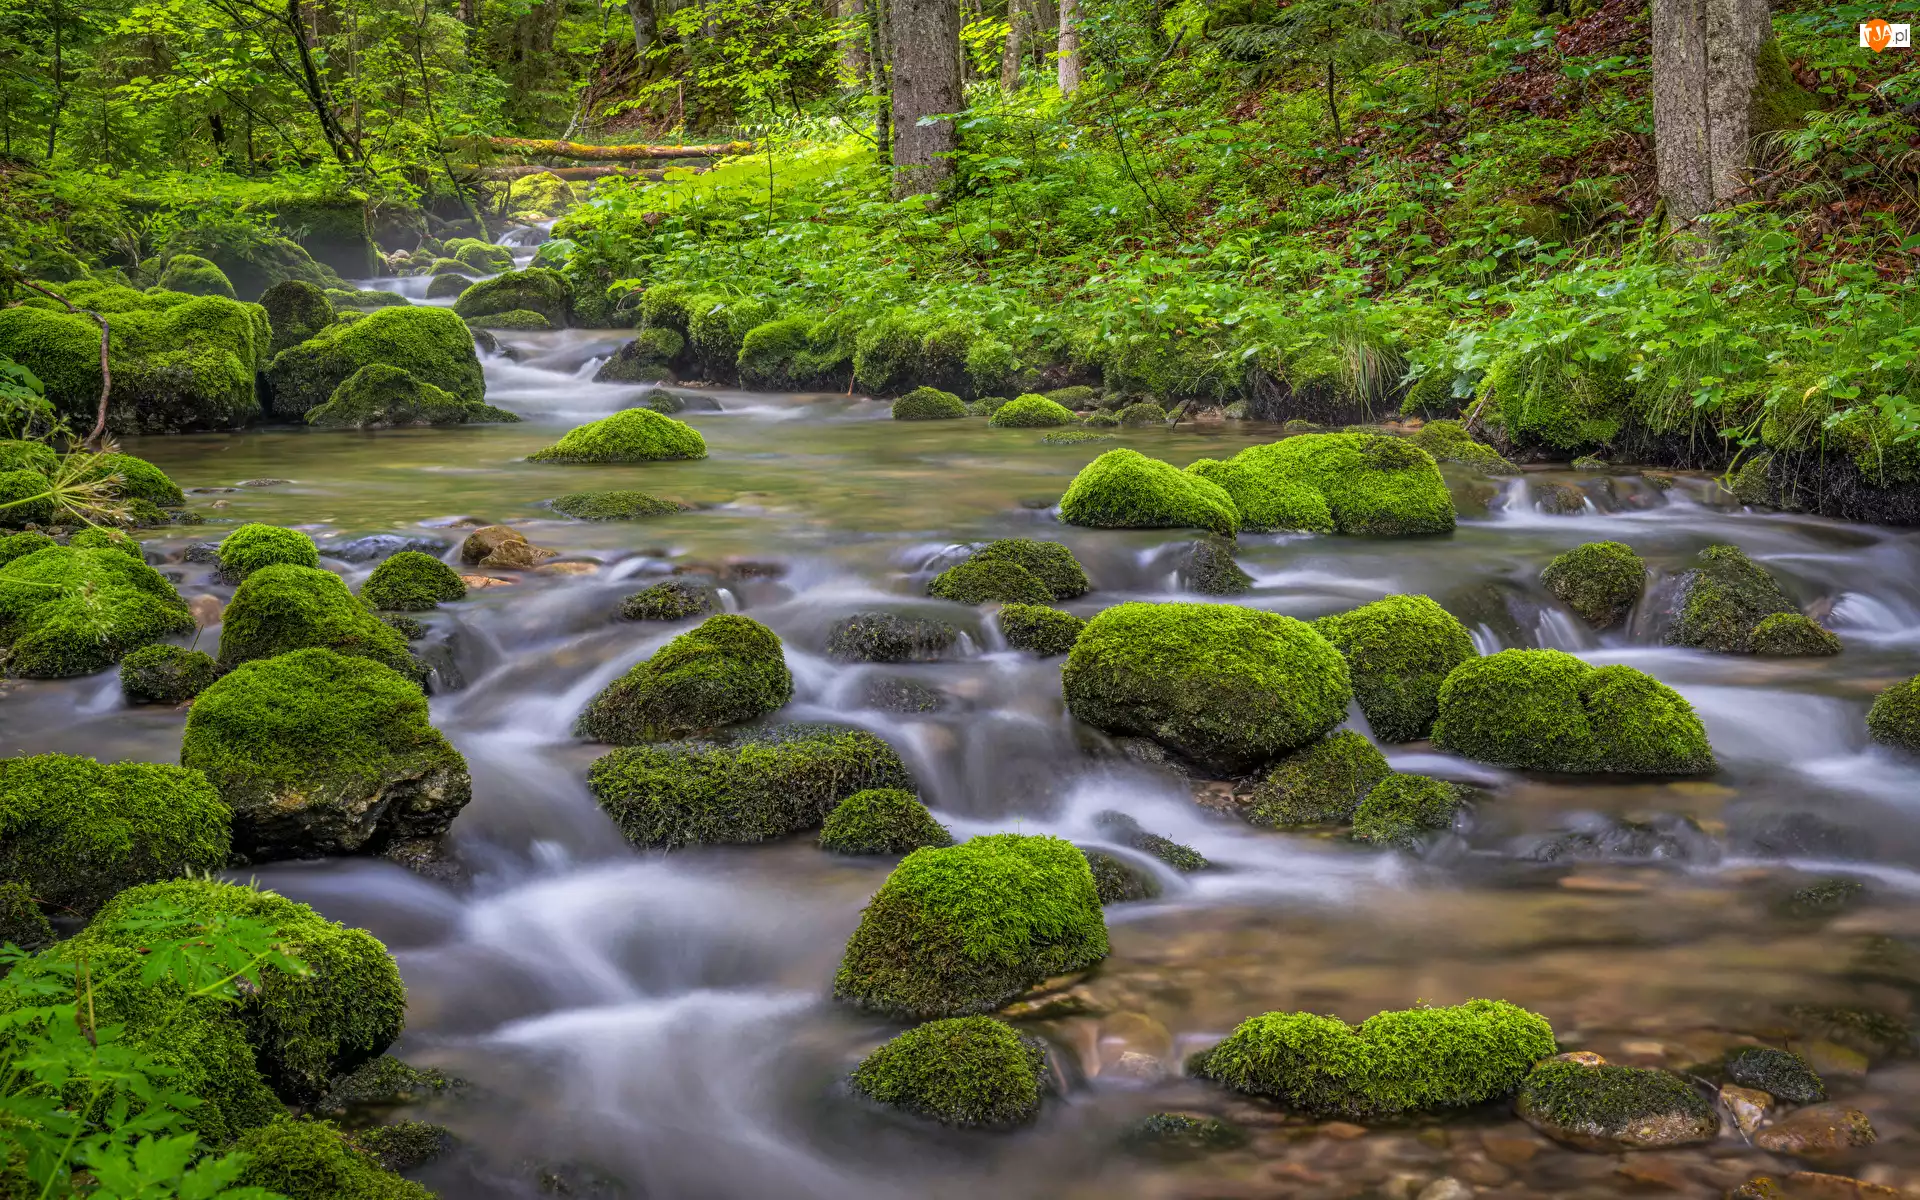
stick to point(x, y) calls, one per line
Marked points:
point(1599, 581)
point(483, 258)
point(1229, 688)
point(1894, 719)
point(728, 669)
point(1322, 784)
point(964, 929)
point(378, 396)
point(1545, 710)
point(412, 581)
point(631, 435)
point(318, 753)
point(881, 821)
point(972, 1072)
point(253, 546)
point(431, 344)
point(195, 276)
point(283, 607)
point(298, 311)
point(73, 612)
point(76, 832)
point(1414, 1060)
point(129, 478)
point(535, 289)
point(1584, 1101)
point(1031, 412)
point(311, 1160)
point(1373, 484)
point(1721, 602)
point(1266, 502)
point(769, 783)
point(1399, 650)
point(1124, 489)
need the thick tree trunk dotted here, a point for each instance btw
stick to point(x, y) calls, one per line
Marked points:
point(1703, 76)
point(640, 12)
point(1069, 46)
point(925, 60)
point(1018, 15)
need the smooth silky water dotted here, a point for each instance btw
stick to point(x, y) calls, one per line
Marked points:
point(659, 1025)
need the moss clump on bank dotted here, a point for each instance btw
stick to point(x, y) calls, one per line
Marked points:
point(648, 358)
point(967, 928)
point(728, 669)
point(670, 600)
point(1031, 412)
point(631, 435)
point(613, 506)
point(130, 478)
point(1322, 784)
point(1401, 810)
point(76, 832)
point(980, 581)
point(22, 923)
point(967, 1071)
point(165, 674)
point(770, 784)
point(1228, 687)
point(309, 1160)
point(378, 396)
point(1894, 719)
point(929, 404)
point(430, 344)
point(18, 455)
point(297, 310)
point(1449, 441)
point(318, 753)
point(1723, 600)
point(1373, 485)
point(1266, 503)
point(1544, 710)
point(412, 581)
point(1599, 581)
point(881, 821)
point(1038, 629)
point(283, 607)
point(73, 612)
point(251, 547)
point(1124, 489)
point(1399, 650)
point(1413, 1060)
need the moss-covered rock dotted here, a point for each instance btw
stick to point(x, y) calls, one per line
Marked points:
point(1373, 484)
point(771, 351)
point(536, 289)
point(1414, 1060)
point(378, 396)
point(729, 669)
point(1077, 396)
point(284, 607)
point(1178, 1136)
point(1038, 629)
point(1780, 1073)
point(968, 1071)
point(671, 600)
point(17, 455)
point(648, 358)
point(1322, 784)
point(19, 545)
point(1209, 568)
point(769, 784)
point(130, 478)
point(77, 832)
point(253, 546)
point(411, 581)
point(1544, 710)
point(1144, 412)
point(165, 674)
point(403, 1145)
point(1894, 719)
point(1124, 489)
point(318, 753)
point(1031, 412)
point(343, 298)
point(631, 435)
point(311, 1160)
point(716, 331)
point(447, 284)
point(297, 311)
point(22, 924)
point(431, 344)
point(1401, 810)
point(1586, 1102)
point(1117, 881)
point(882, 637)
point(73, 612)
point(1127, 831)
point(380, 1084)
point(1720, 601)
point(1791, 635)
point(613, 506)
point(195, 276)
point(928, 404)
point(1052, 563)
point(480, 257)
point(881, 821)
point(981, 580)
point(100, 537)
point(1399, 650)
point(1599, 581)
point(1228, 687)
point(25, 498)
point(1449, 441)
point(967, 928)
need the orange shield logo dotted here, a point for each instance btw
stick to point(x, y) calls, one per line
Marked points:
point(1879, 34)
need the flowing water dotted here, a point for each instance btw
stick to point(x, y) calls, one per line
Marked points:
point(659, 1025)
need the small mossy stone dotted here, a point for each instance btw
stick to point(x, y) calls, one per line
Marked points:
point(1117, 881)
point(928, 404)
point(512, 319)
point(131, 478)
point(1603, 1107)
point(70, 611)
point(1374, 485)
point(1827, 898)
point(671, 600)
point(613, 506)
point(99, 537)
point(381, 1083)
point(1127, 831)
point(965, 929)
point(1074, 437)
point(1228, 687)
point(879, 637)
point(1052, 563)
point(484, 257)
point(1175, 1137)
point(1791, 635)
point(972, 1072)
point(1124, 489)
point(631, 435)
point(1599, 581)
point(981, 581)
point(447, 285)
point(165, 674)
point(1077, 396)
point(253, 546)
point(1209, 569)
point(1031, 412)
point(22, 924)
point(412, 581)
point(1399, 651)
point(311, 1160)
point(728, 669)
point(1413, 1060)
point(881, 821)
point(1146, 412)
point(1320, 785)
point(1780, 1073)
point(1894, 719)
point(1401, 810)
point(1721, 601)
point(283, 607)
point(535, 293)
point(771, 783)
point(1038, 629)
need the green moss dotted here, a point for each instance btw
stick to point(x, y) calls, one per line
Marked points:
point(25, 498)
point(514, 318)
point(1052, 563)
point(1093, 421)
point(1208, 567)
point(297, 311)
point(887, 351)
point(631, 435)
point(888, 638)
point(1074, 437)
point(1266, 503)
point(402, 1145)
point(285, 607)
point(1544, 710)
point(1788, 635)
point(74, 612)
point(881, 821)
point(728, 669)
point(1145, 412)
point(967, 928)
point(320, 753)
point(1780, 1073)
point(1031, 412)
point(1178, 1136)
point(772, 783)
point(1116, 881)
point(1600, 1105)
point(447, 284)
point(411, 581)
point(1401, 810)
point(195, 276)
point(670, 305)
point(1125, 830)
point(1124, 489)
point(19, 545)
point(381, 1083)
point(645, 359)
point(1545, 401)
point(1894, 719)
point(431, 344)
point(480, 257)
point(378, 396)
point(928, 404)
point(28, 456)
point(309, 1160)
point(989, 364)
point(613, 506)
point(1399, 650)
point(1599, 581)
point(164, 674)
point(1228, 687)
point(22, 924)
point(363, 298)
point(772, 353)
point(1038, 629)
point(253, 546)
point(966, 1071)
point(670, 600)
point(1449, 441)
point(1320, 785)
point(1077, 396)
point(76, 832)
point(717, 331)
point(1417, 1059)
point(978, 581)
point(1373, 485)
point(1778, 101)
point(1825, 898)
point(135, 478)
point(1722, 600)
point(535, 289)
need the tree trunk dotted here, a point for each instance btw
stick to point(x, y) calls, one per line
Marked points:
point(925, 54)
point(879, 24)
point(1069, 46)
point(854, 57)
point(641, 13)
point(1703, 75)
point(1017, 17)
point(1041, 23)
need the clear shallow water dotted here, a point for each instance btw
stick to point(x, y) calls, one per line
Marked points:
point(662, 1020)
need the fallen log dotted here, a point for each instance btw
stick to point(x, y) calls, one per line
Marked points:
point(541, 148)
point(574, 174)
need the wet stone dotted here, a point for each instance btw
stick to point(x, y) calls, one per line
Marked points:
point(1824, 1129)
point(381, 546)
point(1747, 1106)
